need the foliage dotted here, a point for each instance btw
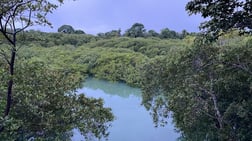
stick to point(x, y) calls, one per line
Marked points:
point(136, 30)
point(223, 15)
point(111, 64)
point(27, 12)
point(113, 56)
point(207, 89)
point(78, 31)
point(167, 33)
point(46, 107)
point(150, 47)
point(110, 34)
point(38, 38)
point(152, 33)
point(184, 34)
point(118, 65)
point(39, 100)
point(66, 29)
point(15, 17)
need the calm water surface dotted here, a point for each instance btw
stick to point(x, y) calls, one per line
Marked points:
point(133, 122)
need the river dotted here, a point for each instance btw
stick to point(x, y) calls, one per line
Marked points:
point(133, 122)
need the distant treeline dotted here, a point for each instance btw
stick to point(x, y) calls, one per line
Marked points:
point(65, 37)
point(136, 30)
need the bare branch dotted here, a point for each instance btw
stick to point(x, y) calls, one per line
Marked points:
point(200, 100)
point(8, 9)
point(5, 33)
point(214, 100)
point(28, 23)
point(207, 114)
point(11, 17)
point(7, 22)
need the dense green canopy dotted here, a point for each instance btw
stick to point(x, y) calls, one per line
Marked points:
point(206, 88)
point(179, 78)
point(223, 15)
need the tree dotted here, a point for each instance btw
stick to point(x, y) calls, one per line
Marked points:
point(66, 29)
point(13, 14)
point(167, 33)
point(136, 30)
point(184, 34)
point(110, 34)
point(101, 35)
point(79, 31)
point(223, 15)
point(45, 106)
point(206, 87)
point(152, 33)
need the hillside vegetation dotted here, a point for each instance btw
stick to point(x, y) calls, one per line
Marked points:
point(207, 86)
point(115, 59)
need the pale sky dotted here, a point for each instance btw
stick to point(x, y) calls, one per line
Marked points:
point(95, 16)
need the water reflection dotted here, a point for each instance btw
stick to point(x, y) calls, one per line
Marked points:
point(133, 122)
point(112, 88)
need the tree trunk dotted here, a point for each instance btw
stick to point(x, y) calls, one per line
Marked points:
point(215, 103)
point(217, 111)
point(10, 83)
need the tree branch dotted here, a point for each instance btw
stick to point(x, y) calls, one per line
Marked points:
point(5, 32)
point(28, 23)
point(214, 100)
point(242, 67)
point(12, 17)
point(200, 100)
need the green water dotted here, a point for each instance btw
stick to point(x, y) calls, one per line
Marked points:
point(133, 122)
